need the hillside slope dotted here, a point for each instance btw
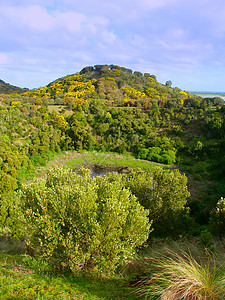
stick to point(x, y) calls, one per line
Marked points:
point(6, 88)
point(117, 85)
point(113, 109)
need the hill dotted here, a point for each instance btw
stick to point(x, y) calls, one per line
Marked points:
point(114, 84)
point(6, 88)
point(108, 108)
point(168, 147)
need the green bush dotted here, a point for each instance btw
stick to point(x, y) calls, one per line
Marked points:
point(206, 240)
point(166, 159)
point(154, 154)
point(143, 153)
point(83, 223)
point(217, 218)
point(164, 193)
point(158, 155)
point(9, 213)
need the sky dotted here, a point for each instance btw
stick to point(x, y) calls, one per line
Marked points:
point(178, 40)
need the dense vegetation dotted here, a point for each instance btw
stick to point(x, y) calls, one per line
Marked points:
point(110, 109)
point(7, 88)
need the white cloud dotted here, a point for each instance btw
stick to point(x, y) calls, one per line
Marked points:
point(33, 17)
point(71, 21)
point(94, 25)
point(156, 36)
point(153, 4)
point(109, 37)
point(3, 59)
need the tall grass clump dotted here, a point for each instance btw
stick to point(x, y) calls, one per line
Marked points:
point(182, 277)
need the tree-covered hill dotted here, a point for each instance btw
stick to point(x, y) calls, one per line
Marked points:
point(117, 85)
point(171, 145)
point(113, 109)
point(7, 88)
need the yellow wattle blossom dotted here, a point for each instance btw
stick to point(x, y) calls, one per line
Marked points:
point(15, 103)
point(60, 120)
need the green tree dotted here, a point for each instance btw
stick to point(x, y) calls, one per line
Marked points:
point(216, 121)
point(11, 161)
point(168, 83)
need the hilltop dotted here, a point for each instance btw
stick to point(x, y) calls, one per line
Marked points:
point(6, 88)
point(117, 85)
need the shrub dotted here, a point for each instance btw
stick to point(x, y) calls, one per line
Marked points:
point(143, 153)
point(164, 193)
point(217, 218)
point(172, 154)
point(206, 240)
point(9, 213)
point(154, 154)
point(162, 156)
point(83, 223)
point(166, 159)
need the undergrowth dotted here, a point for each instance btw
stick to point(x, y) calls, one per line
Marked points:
point(24, 277)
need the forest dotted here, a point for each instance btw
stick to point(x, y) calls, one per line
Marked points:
point(145, 228)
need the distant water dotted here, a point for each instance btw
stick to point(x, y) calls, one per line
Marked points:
point(101, 170)
point(95, 172)
point(209, 94)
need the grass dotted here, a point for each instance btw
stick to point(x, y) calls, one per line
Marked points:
point(168, 272)
point(23, 277)
point(182, 277)
point(88, 158)
point(183, 270)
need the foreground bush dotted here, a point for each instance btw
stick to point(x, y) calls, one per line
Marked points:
point(183, 278)
point(79, 222)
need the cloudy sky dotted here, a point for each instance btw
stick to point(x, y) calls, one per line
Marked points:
point(178, 40)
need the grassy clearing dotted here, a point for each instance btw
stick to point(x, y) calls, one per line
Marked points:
point(23, 277)
point(85, 158)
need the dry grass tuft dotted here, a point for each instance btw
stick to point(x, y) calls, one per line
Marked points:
point(182, 277)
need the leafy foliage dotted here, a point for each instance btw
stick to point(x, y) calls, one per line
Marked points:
point(7, 88)
point(81, 222)
point(217, 218)
point(11, 160)
point(113, 109)
point(164, 193)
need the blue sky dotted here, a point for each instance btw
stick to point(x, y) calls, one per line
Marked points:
point(178, 40)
